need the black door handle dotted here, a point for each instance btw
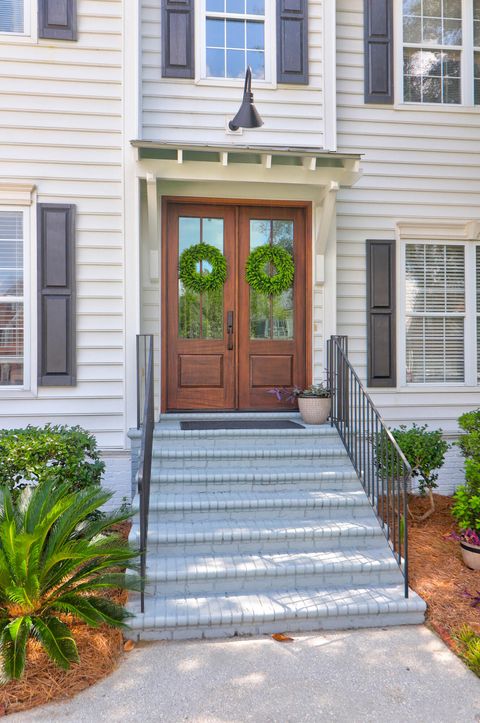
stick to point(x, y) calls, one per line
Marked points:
point(230, 330)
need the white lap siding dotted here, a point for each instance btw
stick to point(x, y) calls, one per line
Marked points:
point(61, 130)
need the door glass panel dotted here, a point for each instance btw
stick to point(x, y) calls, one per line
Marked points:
point(200, 315)
point(271, 317)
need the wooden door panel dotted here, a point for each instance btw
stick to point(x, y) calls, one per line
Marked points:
point(265, 363)
point(200, 365)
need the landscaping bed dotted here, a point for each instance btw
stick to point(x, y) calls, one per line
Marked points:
point(437, 572)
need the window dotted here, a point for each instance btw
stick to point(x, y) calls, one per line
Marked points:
point(11, 298)
point(442, 313)
point(12, 16)
point(476, 55)
point(235, 38)
point(432, 51)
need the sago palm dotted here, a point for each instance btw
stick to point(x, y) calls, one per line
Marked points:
point(55, 564)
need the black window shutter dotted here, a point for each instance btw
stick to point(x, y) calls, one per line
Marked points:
point(292, 41)
point(56, 295)
point(381, 327)
point(57, 19)
point(378, 21)
point(177, 39)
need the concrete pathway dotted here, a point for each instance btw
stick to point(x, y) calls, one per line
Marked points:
point(362, 676)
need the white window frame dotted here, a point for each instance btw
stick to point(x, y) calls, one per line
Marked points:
point(466, 53)
point(201, 77)
point(470, 331)
point(29, 33)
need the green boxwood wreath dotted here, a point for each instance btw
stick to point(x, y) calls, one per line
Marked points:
point(193, 279)
point(259, 280)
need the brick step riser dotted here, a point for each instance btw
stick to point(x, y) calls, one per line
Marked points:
point(296, 442)
point(340, 485)
point(250, 584)
point(310, 513)
point(237, 547)
point(291, 625)
point(308, 463)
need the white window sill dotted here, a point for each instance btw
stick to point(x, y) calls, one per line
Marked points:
point(428, 389)
point(16, 393)
point(235, 83)
point(444, 107)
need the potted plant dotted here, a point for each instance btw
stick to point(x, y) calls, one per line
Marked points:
point(314, 402)
point(466, 508)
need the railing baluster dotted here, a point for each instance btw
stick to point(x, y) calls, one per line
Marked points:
point(378, 460)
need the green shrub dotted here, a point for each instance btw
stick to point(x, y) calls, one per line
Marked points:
point(40, 454)
point(425, 452)
point(56, 561)
point(469, 644)
point(466, 509)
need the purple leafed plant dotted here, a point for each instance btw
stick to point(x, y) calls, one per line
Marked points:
point(469, 536)
point(475, 598)
point(285, 394)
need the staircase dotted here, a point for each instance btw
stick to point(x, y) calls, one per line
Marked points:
point(261, 531)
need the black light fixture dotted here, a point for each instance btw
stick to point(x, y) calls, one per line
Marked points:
point(247, 116)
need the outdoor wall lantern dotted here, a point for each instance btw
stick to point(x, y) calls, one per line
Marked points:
point(247, 116)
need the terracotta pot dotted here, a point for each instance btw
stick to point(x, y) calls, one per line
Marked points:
point(314, 410)
point(471, 555)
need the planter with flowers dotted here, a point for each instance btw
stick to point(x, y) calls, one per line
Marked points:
point(314, 402)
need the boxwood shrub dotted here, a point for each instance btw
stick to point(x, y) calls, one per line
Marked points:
point(59, 453)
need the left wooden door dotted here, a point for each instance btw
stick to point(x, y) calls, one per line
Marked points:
point(201, 349)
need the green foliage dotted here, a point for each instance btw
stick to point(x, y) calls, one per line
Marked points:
point(315, 390)
point(466, 509)
point(469, 644)
point(424, 450)
point(260, 280)
point(206, 280)
point(56, 560)
point(58, 453)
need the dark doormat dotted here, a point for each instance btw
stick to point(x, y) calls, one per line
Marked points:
point(242, 424)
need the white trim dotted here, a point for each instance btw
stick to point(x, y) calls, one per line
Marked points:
point(466, 51)
point(470, 315)
point(29, 34)
point(201, 77)
point(16, 194)
point(329, 77)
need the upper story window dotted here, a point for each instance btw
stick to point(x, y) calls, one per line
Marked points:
point(12, 16)
point(235, 38)
point(432, 51)
point(11, 298)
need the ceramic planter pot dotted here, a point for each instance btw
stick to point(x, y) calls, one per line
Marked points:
point(471, 555)
point(314, 410)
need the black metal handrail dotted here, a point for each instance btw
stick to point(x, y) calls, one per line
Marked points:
point(378, 460)
point(145, 422)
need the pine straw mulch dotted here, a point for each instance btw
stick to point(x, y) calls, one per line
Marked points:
point(437, 571)
point(99, 649)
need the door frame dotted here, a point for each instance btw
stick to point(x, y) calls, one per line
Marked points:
point(308, 293)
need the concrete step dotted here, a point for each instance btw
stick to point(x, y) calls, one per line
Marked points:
point(217, 574)
point(292, 504)
point(172, 437)
point(236, 416)
point(255, 535)
point(283, 610)
point(321, 457)
point(340, 478)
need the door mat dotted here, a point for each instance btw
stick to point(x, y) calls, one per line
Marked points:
point(241, 424)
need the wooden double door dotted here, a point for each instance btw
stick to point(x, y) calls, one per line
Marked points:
point(226, 348)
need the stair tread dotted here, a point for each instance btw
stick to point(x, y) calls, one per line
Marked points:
point(195, 567)
point(281, 605)
point(249, 452)
point(261, 529)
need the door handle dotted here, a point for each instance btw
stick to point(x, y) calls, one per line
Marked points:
point(230, 330)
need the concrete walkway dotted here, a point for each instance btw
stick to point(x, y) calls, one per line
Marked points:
point(387, 675)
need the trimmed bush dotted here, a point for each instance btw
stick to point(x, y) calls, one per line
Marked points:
point(52, 453)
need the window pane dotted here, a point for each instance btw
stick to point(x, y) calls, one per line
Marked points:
point(215, 63)
point(215, 33)
point(215, 6)
point(236, 6)
point(11, 310)
point(11, 16)
point(412, 7)
point(435, 350)
point(256, 7)
point(452, 32)
point(432, 8)
point(11, 343)
point(235, 63)
point(256, 60)
point(432, 31)
point(255, 39)
point(452, 8)
point(235, 34)
point(432, 76)
point(412, 29)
